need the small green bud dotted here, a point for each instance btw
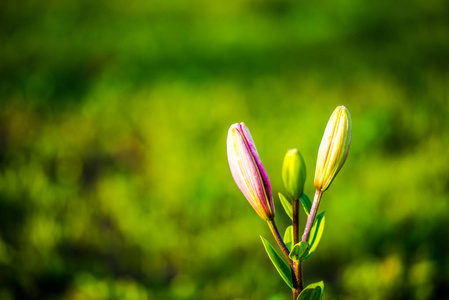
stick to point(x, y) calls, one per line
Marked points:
point(294, 173)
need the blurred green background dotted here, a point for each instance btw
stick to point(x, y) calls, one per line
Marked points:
point(114, 181)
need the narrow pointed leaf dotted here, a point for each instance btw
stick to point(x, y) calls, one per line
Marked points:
point(299, 251)
point(281, 266)
point(306, 203)
point(313, 291)
point(287, 205)
point(288, 237)
point(316, 233)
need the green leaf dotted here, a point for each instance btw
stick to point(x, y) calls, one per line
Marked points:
point(313, 291)
point(306, 203)
point(288, 237)
point(287, 205)
point(299, 251)
point(281, 266)
point(316, 233)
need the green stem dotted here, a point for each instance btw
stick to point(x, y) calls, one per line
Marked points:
point(277, 237)
point(300, 281)
point(295, 220)
point(297, 265)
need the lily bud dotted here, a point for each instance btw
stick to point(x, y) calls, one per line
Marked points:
point(294, 173)
point(334, 148)
point(248, 172)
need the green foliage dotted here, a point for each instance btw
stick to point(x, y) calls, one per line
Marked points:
point(306, 203)
point(286, 205)
point(313, 291)
point(299, 251)
point(315, 233)
point(113, 121)
point(281, 266)
point(288, 237)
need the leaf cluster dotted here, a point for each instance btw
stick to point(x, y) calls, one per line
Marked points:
point(299, 251)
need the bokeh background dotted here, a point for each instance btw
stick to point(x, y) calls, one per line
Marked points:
point(114, 181)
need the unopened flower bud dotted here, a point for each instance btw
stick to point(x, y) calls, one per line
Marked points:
point(248, 172)
point(334, 148)
point(294, 173)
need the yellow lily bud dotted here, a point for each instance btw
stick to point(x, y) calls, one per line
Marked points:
point(334, 148)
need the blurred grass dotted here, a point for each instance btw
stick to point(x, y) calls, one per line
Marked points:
point(114, 181)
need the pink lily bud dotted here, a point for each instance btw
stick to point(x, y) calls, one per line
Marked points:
point(248, 172)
